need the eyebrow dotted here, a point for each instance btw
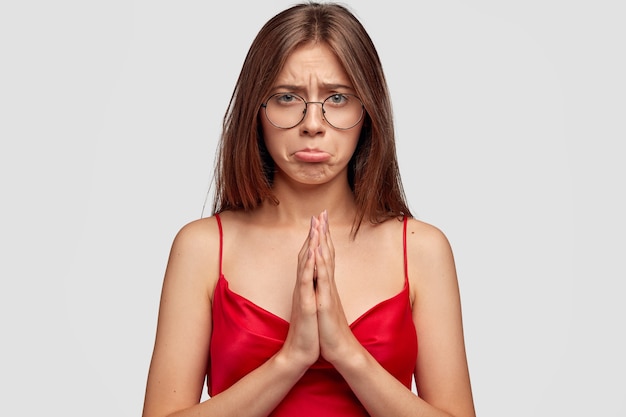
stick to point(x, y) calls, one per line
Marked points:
point(325, 86)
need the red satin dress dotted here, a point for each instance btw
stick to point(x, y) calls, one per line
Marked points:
point(245, 336)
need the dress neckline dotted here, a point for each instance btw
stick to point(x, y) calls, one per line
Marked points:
point(402, 295)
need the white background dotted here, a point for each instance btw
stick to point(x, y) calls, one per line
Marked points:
point(510, 129)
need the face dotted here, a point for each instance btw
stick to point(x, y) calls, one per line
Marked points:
point(313, 152)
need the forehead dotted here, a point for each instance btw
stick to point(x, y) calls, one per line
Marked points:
point(312, 62)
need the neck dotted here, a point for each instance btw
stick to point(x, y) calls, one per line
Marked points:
point(297, 203)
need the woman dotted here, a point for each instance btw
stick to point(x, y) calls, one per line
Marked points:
point(308, 291)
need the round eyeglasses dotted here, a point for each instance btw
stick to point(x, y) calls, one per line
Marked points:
point(287, 110)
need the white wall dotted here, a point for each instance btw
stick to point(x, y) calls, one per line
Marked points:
point(509, 116)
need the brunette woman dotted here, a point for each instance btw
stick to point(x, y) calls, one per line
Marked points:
point(309, 290)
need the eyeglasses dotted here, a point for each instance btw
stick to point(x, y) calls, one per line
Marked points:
point(287, 110)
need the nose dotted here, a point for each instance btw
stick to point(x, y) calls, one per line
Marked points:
point(313, 122)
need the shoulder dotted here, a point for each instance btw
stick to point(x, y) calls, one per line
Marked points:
point(198, 236)
point(425, 239)
point(194, 256)
point(430, 260)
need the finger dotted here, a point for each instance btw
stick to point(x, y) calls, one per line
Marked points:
point(327, 249)
point(327, 236)
point(327, 302)
point(322, 278)
point(325, 268)
point(306, 243)
point(306, 256)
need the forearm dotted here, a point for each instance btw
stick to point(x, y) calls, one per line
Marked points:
point(380, 392)
point(255, 395)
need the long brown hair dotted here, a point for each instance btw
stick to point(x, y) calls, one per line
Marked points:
point(244, 170)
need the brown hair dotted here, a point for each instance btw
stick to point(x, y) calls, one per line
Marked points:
point(244, 170)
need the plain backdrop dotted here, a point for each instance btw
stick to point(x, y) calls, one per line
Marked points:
point(510, 134)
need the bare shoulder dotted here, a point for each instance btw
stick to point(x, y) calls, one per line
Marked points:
point(195, 251)
point(426, 240)
point(429, 254)
point(198, 235)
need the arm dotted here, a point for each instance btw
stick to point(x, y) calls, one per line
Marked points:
point(179, 361)
point(442, 377)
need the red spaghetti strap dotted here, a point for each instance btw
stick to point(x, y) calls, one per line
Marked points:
point(406, 262)
point(219, 226)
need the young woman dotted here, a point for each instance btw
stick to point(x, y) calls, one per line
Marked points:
point(309, 290)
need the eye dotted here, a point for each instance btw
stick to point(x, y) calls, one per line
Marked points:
point(286, 98)
point(337, 100)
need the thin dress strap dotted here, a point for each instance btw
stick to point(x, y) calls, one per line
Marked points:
point(406, 262)
point(219, 226)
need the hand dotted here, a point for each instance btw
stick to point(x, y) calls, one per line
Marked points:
point(302, 342)
point(335, 336)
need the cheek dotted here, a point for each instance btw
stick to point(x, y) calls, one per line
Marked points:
point(354, 140)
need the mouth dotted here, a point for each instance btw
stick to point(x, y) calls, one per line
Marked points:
point(311, 155)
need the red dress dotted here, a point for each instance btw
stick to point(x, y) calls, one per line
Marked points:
point(245, 336)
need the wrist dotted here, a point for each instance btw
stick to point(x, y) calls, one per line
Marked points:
point(289, 365)
point(350, 360)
